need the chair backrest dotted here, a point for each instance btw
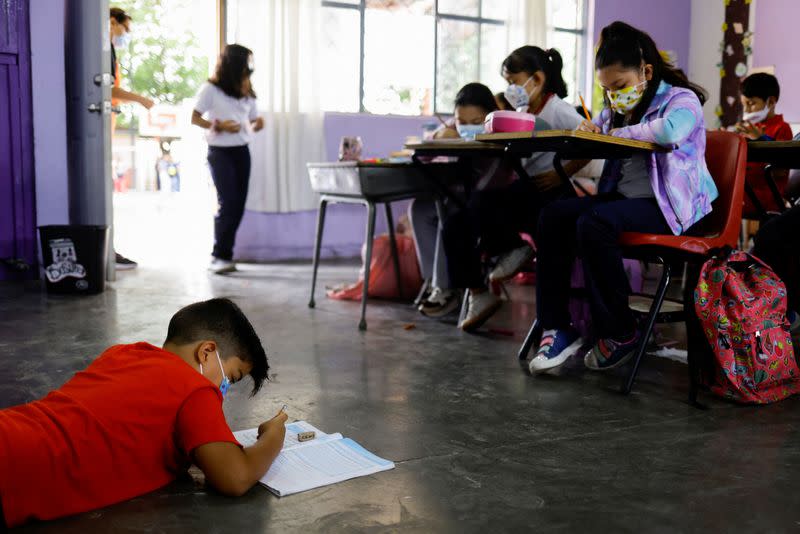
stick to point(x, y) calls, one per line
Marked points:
point(726, 157)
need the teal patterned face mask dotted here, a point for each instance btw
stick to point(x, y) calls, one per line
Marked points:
point(624, 100)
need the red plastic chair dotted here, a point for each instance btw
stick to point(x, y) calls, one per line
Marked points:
point(726, 157)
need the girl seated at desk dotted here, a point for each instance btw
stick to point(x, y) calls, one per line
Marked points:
point(662, 193)
point(473, 103)
point(494, 219)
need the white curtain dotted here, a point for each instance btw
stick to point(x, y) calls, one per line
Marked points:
point(527, 23)
point(284, 38)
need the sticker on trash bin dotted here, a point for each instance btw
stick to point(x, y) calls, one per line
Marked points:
point(65, 261)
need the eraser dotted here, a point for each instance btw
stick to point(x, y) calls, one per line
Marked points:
point(306, 436)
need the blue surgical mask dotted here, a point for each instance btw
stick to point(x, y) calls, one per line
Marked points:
point(121, 41)
point(469, 131)
point(226, 383)
point(517, 96)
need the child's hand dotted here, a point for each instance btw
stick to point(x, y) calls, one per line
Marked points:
point(446, 133)
point(749, 130)
point(588, 126)
point(274, 428)
point(227, 126)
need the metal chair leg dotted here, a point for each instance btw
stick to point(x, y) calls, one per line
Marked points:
point(395, 254)
point(425, 286)
point(641, 347)
point(533, 337)
point(464, 307)
point(362, 324)
point(323, 205)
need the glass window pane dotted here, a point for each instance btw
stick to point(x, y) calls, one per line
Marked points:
point(340, 63)
point(565, 14)
point(398, 58)
point(493, 52)
point(467, 8)
point(458, 60)
point(567, 45)
point(495, 9)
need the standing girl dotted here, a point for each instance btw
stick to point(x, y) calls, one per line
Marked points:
point(229, 103)
point(662, 193)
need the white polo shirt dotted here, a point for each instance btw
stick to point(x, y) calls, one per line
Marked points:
point(214, 104)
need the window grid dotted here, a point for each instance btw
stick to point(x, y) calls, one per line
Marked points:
point(479, 19)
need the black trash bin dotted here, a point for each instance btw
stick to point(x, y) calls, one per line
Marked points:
point(74, 258)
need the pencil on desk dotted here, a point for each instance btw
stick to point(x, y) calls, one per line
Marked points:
point(585, 111)
point(441, 120)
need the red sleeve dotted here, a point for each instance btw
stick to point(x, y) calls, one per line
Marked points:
point(200, 420)
point(784, 133)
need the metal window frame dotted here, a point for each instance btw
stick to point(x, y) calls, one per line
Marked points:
point(581, 33)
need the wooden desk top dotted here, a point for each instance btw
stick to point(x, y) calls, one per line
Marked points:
point(551, 140)
point(784, 154)
point(453, 145)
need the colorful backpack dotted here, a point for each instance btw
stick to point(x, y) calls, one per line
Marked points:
point(741, 305)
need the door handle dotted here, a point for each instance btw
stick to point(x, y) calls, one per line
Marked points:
point(104, 108)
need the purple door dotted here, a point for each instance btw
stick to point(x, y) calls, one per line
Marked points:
point(17, 202)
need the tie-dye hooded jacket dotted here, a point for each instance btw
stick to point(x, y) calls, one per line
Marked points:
point(681, 182)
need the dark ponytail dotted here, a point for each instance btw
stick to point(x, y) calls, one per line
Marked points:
point(622, 44)
point(532, 59)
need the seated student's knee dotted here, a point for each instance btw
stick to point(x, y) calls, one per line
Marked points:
point(594, 230)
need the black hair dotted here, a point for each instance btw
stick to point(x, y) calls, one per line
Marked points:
point(476, 94)
point(761, 85)
point(502, 101)
point(118, 14)
point(532, 59)
point(622, 44)
point(232, 66)
point(222, 321)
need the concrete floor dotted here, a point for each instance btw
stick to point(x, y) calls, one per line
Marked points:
point(479, 446)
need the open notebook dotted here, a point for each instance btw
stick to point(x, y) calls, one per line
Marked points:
point(326, 459)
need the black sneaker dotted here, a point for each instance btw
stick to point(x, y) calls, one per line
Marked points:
point(439, 303)
point(123, 263)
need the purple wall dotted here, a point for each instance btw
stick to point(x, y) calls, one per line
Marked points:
point(667, 21)
point(775, 22)
point(278, 236)
point(49, 135)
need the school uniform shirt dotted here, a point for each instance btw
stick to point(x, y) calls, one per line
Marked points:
point(558, 115)
point(124, 426)
point(775, 129)
point(216, 105)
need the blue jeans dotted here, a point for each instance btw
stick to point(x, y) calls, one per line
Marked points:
point(230, 170)
point(589, 228)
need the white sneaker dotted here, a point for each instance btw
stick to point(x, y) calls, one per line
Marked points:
point(481, 306)
point(220, 266)
point(439, 303)
point(510, 263)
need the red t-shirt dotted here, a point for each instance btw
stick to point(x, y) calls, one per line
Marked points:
point(779, 130)
point(123, 427)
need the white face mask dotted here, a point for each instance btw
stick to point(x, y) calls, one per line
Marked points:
point(517, 96)
point(755, 117)
point(121, 41)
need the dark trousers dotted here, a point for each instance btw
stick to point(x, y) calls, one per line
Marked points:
point(230, 170)
point(589, 228)
point(490, 224)
point(778, 244)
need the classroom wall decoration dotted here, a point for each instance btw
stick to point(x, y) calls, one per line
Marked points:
point(735, 48)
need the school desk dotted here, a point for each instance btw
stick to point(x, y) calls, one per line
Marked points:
point(368, 184)
point(777, 154)
point(567, 145)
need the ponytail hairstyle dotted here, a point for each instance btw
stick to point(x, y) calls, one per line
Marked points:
point(622, 44)
point(532, 59)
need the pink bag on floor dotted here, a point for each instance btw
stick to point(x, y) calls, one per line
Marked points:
point(579, 305)
point(382, 280)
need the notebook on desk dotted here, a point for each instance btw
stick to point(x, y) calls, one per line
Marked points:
point(324, 460)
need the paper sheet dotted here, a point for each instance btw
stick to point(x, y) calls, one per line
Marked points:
point(249, 437)
point(314, 464)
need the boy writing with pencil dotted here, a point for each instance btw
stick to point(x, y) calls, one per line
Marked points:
point(135, 418)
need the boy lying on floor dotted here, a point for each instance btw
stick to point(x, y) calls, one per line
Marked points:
point(135, 418)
